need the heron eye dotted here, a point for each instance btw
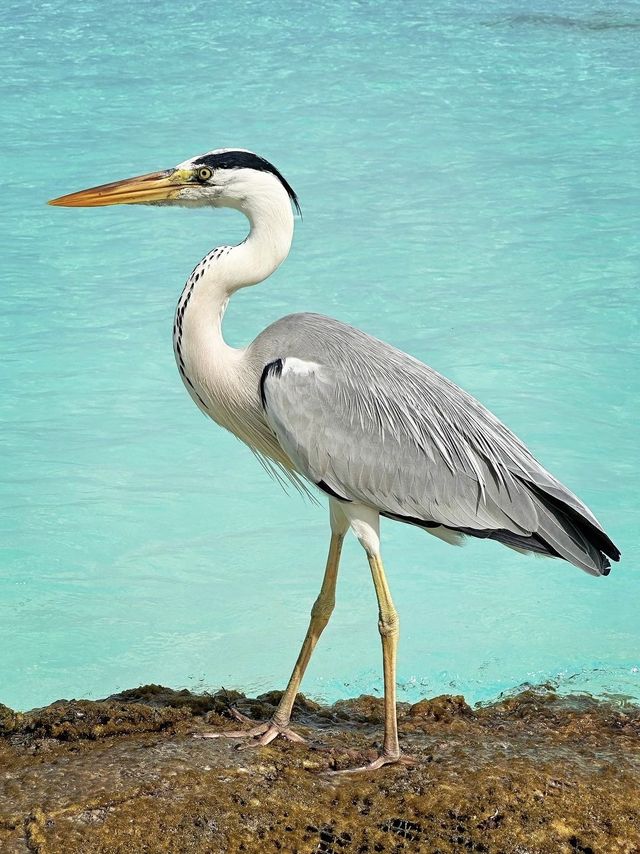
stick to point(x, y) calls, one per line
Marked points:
point(204, 173)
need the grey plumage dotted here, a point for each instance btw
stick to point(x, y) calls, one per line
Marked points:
point(374, 425)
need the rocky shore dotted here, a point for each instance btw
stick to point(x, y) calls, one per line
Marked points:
point(531, 773)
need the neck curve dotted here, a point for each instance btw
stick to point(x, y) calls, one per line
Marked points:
point(202, 355)
point(226, 269)
point(265, 247)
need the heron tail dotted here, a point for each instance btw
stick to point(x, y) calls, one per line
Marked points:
point(566, 529)
point(573, 535)
point(563, 531)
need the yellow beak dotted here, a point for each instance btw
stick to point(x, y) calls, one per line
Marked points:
point(153, 187)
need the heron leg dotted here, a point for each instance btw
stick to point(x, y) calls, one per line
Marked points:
point(320, 613)
point(365, 524)
point(389, 628)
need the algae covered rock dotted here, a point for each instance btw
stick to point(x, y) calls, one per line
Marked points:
point(442, 708)
point(9, 720)
point(533, 773)
point(77, 719)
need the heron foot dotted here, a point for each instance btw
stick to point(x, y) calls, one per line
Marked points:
point(258, 736)
point(382, 760)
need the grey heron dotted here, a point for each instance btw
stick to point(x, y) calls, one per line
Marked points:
point(376, 430)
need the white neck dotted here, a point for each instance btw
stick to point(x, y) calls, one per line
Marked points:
point(201, 352)
point(229, 268)
point(267, 244)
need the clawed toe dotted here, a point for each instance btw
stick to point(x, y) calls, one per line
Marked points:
point(270, 732)
point(382, 760)
point(258, 736)
point(234, 733)
point(237, 715)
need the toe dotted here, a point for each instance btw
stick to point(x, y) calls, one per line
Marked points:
point(266, 738)
point(239, 716)
point(234, 733)
point(290, 735)
point(257, 736)
point(380, 762)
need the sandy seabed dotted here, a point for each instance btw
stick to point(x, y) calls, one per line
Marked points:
point(533, 772)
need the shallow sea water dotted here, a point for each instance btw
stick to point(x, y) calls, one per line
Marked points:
point(469, 177)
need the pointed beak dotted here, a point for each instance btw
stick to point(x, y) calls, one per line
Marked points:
point(155, 187)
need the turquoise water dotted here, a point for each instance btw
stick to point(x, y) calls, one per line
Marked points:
point(469, 176)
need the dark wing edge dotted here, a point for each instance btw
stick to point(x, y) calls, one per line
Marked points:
point(562, 532)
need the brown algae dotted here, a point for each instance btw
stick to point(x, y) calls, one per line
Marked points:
point(534, 772)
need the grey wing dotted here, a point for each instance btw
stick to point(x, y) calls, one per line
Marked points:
point(391, 433)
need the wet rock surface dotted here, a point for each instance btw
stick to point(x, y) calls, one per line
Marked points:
point(531, 773)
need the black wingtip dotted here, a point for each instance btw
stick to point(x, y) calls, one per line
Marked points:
point(593, 534)
point(605, 569)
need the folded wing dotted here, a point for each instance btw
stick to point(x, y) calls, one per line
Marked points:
point(388, 431)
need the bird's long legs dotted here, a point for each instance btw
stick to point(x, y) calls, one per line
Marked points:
point(320, 613)
point(389, 627)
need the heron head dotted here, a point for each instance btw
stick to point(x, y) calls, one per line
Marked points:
point(227, 177)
